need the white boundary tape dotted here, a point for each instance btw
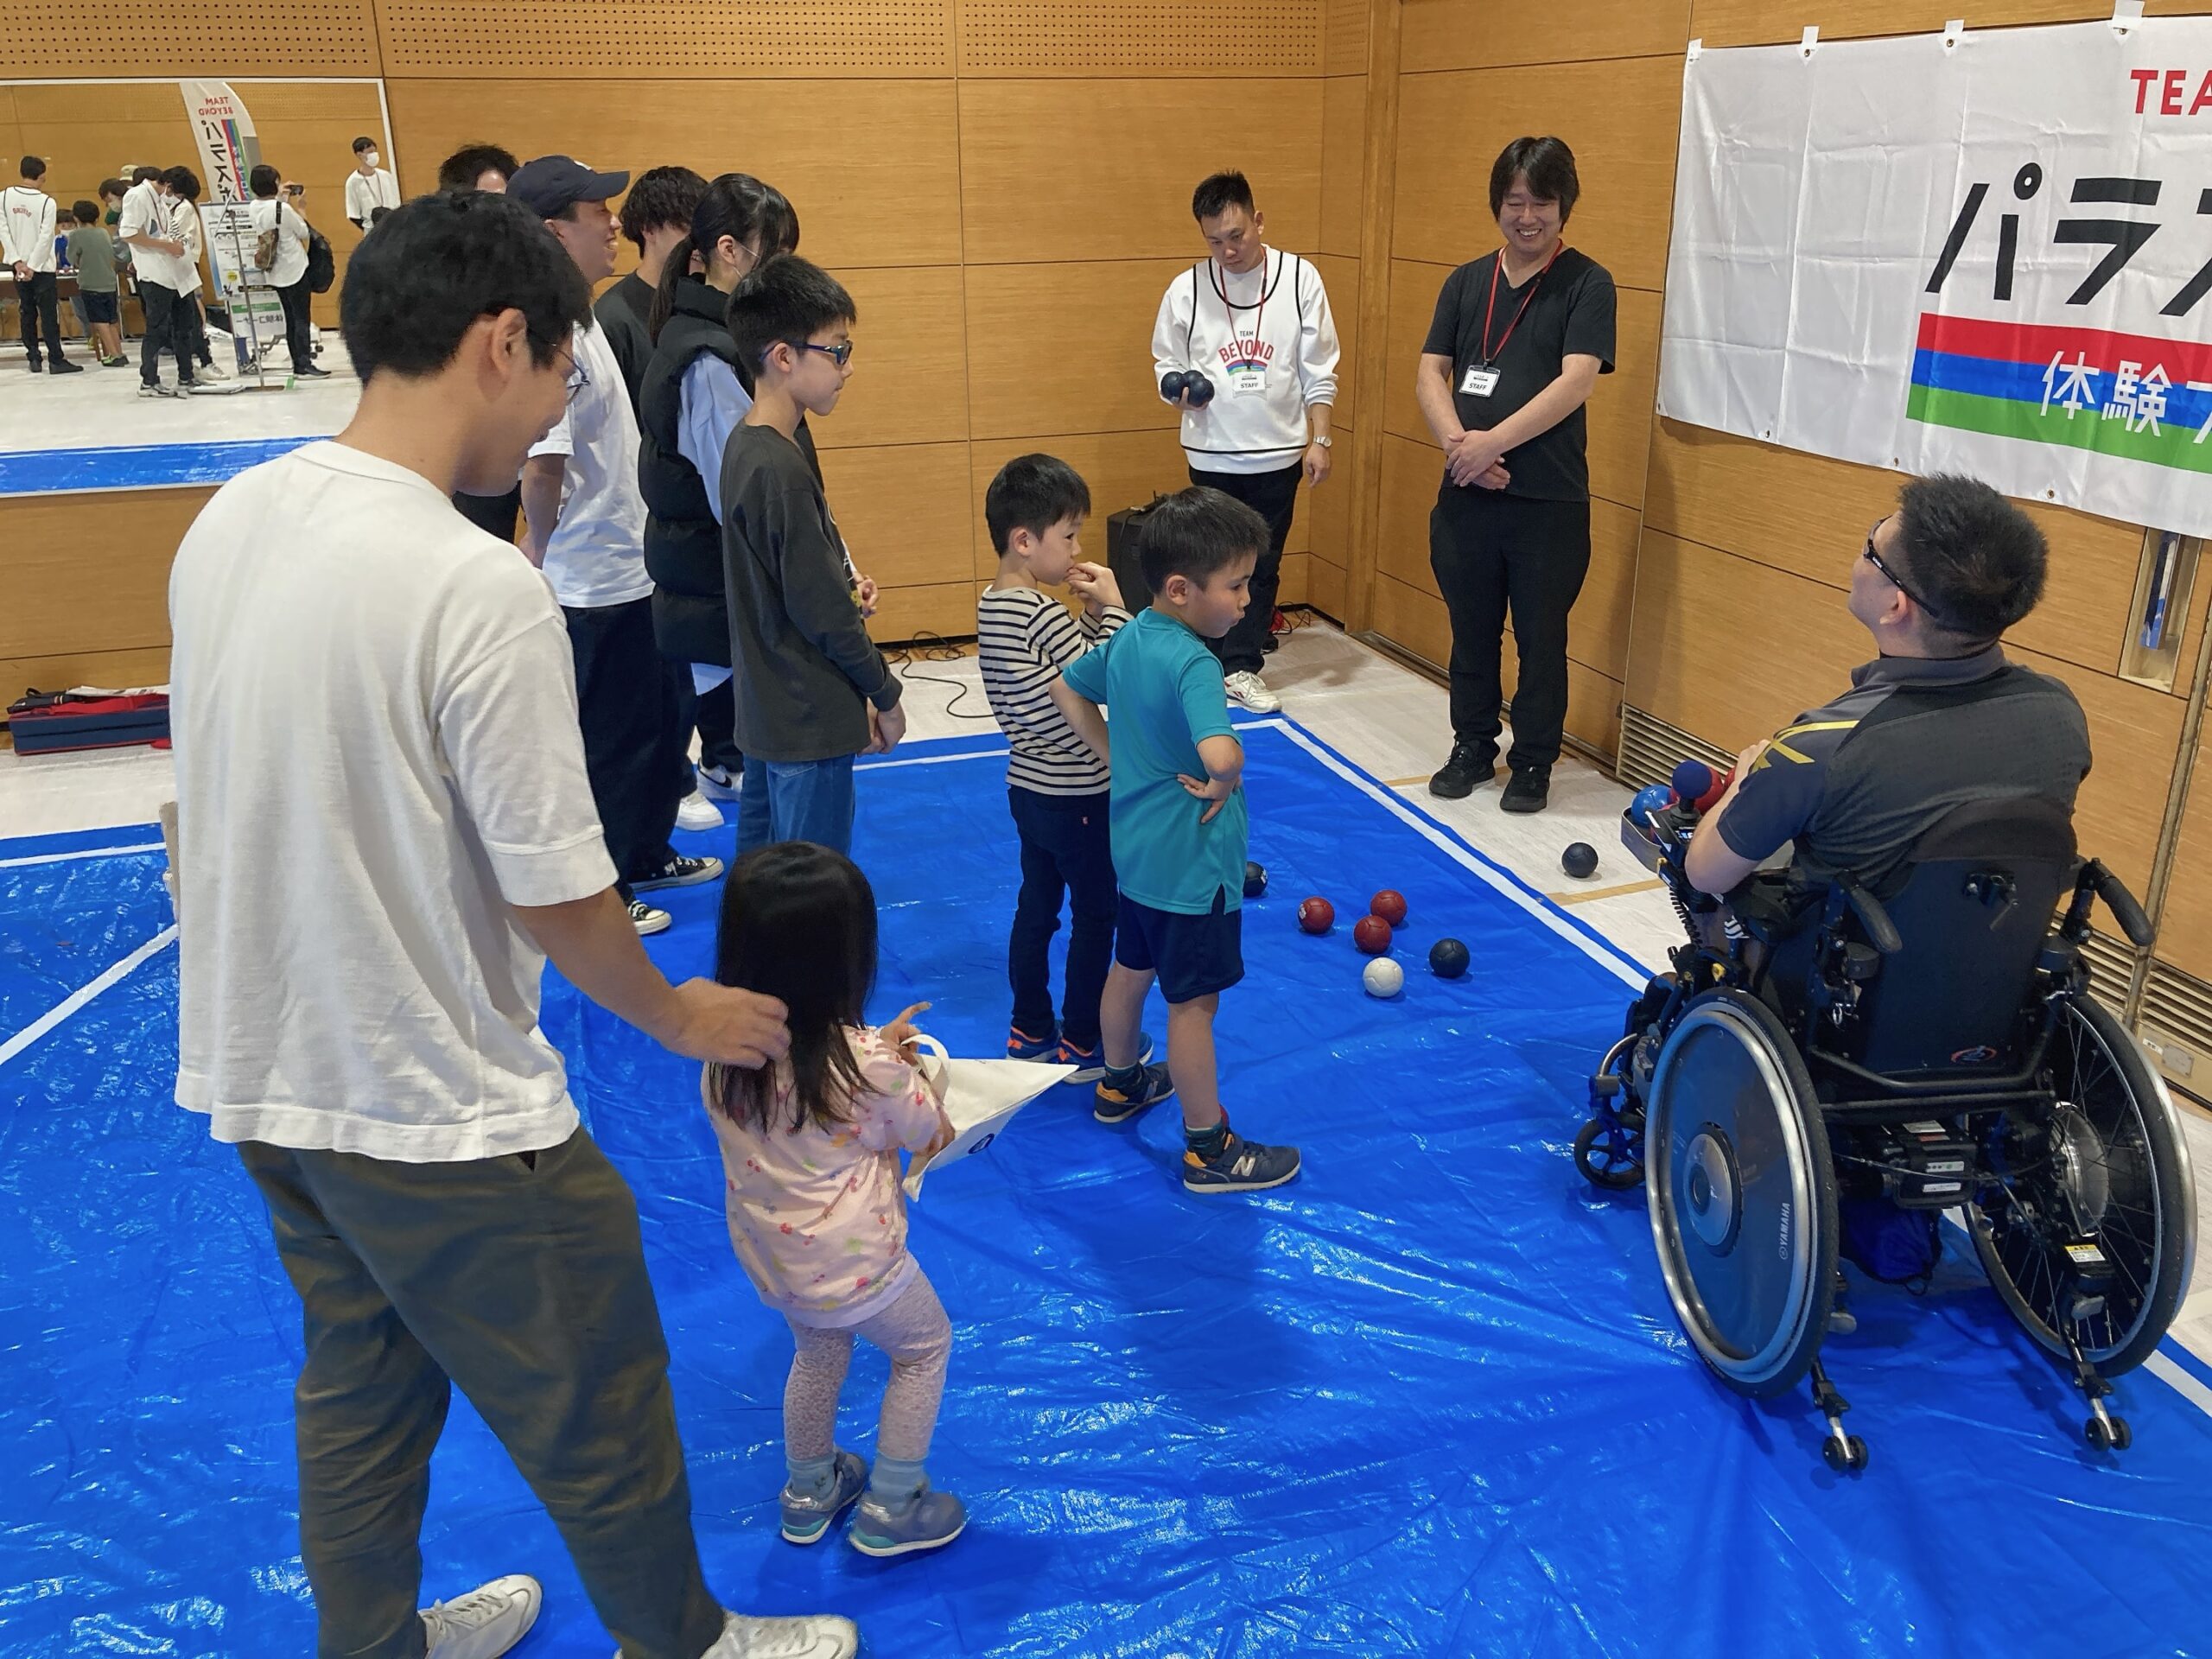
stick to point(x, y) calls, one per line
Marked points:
point(83, 852)
point(84, 994)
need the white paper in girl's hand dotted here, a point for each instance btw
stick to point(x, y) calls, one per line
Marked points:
point(981, 1098)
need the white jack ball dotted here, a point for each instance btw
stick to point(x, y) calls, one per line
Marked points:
point(1383, 977)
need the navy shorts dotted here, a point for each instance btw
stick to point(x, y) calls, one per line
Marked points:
point(1194, 956)
point(99, 308)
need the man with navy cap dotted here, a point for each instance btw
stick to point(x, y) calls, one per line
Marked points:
point(587, 527)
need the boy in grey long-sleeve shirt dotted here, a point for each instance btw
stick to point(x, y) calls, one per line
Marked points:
point(810, 689)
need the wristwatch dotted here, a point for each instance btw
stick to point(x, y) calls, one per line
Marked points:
point(1324, 441)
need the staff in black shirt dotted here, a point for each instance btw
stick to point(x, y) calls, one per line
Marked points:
point(656, 216)
point(1519, 339)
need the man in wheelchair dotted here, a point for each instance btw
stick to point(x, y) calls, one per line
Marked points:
point(1894, 1020)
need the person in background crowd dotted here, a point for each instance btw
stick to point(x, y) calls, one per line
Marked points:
point(478, 167)
point(91, 256)
point(274, 216)
point(156, 266)
point(27, 229)
point(368, 186)
point(184, 218)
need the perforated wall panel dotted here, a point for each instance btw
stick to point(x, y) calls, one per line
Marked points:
point(1224, 38)
point(671, 39)
point(51, 38)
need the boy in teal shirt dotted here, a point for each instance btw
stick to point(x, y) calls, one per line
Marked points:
point(1179, 829)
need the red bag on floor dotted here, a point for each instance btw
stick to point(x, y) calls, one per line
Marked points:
point(51, 722)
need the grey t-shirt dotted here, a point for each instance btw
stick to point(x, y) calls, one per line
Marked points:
point(92, 254)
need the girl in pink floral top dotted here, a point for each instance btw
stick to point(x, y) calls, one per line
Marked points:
point(810, 1161)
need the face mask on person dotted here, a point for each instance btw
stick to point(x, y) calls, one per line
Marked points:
point(369, 157)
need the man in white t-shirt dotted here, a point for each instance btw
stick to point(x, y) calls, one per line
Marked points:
point(158, 267)
point(384, 831)
point(368, 186)
point(1254, 326)
point(587, 529)
point(27, 221)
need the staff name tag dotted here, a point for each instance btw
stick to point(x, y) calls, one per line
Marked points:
point(1480, 382)
point(1248, 383)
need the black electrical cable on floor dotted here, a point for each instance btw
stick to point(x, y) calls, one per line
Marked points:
point(930, 647)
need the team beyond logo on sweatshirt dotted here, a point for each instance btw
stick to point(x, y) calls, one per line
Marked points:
point(1246, 352)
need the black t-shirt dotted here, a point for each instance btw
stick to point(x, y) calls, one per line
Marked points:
point(1568, 312)
point(621, 313)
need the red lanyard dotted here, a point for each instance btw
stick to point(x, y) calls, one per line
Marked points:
point(1259, 322)
point(1490, 357)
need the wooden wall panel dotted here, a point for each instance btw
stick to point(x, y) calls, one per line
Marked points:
point(1058, 348)
point(905, 511)
point(1330, 509)
point(42, 38)
point(872, 166)
point(1414, 288)
point(945, 609)
point(1129, 37)
point(1621, 118)
point(1466, 33)
point(671, 40)
point(1345, 45)
point(910, 371)
point(1096, 169)
point(1753, 22)
point(1410, 474)
point(1809, 515)
point(1341, 278)
point(1124, 469)
point(1344, 155)
point(116, 669)
point(1324, 589)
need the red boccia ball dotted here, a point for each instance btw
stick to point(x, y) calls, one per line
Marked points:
point(1390, 906)
point(1316, 914)
point(1371, 934)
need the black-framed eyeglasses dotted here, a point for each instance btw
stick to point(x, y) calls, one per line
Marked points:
point(841, 353)
point(1891, 576)
point(579, 376)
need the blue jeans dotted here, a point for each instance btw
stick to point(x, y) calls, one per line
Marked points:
point(795, 800)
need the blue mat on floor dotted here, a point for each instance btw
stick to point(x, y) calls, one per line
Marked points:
point(1429, 1400)
point(136, 465)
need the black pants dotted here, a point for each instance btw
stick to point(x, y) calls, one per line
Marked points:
point(165, 333)
point(192, 328)
point(499, 514)
point(1493, 553)
point(39, 300)
point(628, 710)
point(299, 337)
point(716, 718)
point(1064, 848)
point(521, 1279)
point(1274, 496)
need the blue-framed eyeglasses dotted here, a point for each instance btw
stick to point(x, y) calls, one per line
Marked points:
point(841, 353)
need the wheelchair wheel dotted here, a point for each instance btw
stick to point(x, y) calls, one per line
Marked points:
point(1743, 1193)
point(2110, 1168)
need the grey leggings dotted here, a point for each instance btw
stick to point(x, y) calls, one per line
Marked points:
point(914, 1332)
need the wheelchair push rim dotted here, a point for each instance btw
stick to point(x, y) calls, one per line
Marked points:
point(1742, 1193)
point(2111, 1167)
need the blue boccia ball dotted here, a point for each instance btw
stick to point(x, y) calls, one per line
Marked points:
point(1652, 798)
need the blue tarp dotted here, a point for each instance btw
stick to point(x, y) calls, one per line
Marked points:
point(1428, 1399)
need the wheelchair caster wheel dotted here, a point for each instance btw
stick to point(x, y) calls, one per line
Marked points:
point(1846, 1455)
point(1607, 1157)
point(2116, 1438)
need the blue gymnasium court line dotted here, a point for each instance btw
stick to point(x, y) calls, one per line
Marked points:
point(135, 466)
point(1429, 1400)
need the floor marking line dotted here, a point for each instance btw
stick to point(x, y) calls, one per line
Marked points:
point(2180, 1382)
point(83, 852)
point(84, 994)
point(1596, 893)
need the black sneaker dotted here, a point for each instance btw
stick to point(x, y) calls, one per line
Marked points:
point(679, 872)
point(1242, 1165)
point(38, 367)
point(1468, 767)
point(63, 366)
point(1530, 790)
point(1119, 1105)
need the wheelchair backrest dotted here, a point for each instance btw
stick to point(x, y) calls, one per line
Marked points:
point(1975, 910)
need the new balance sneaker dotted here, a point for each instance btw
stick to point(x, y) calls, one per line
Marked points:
point(680, 871)
point(1021, 1046)
point(927, 1520)
point(1091, 1063)
point(1114, 1105)
point(806, 1517)
point(1241, 1165)
point(1251, 690)
point(820, 1636)
point(485, 1623)
point(698, 814)
point(717, 784)
point(649, 921)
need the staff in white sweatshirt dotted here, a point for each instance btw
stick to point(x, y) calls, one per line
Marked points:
point(1255, 322)
point(27, 244)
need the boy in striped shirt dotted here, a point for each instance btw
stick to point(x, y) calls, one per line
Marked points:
point(1056, 778)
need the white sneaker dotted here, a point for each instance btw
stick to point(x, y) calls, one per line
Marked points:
point(485, 1623)
point(698, 814)
point(214, 371)
point(649, 920)
point(819, 1636)
point(1251, 690)
point(718, 785)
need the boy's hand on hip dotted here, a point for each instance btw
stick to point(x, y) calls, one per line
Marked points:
point(722, 1023)
point(1216, 790)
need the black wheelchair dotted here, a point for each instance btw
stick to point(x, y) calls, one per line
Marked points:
point(1938, 1047)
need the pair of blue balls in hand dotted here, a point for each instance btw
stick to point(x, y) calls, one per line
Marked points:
point(1178, 382)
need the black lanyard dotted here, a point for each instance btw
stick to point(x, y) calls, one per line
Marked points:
point(1490, 358)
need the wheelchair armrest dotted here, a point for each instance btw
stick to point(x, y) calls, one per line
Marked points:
point(2118, 900)
point(1881, 932)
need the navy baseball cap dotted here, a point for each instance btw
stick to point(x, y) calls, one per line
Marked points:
point(550, 185)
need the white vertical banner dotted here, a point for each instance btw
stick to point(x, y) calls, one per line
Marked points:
point(229, 151)
point(1986, 251)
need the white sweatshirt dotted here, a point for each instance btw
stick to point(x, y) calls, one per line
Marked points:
point(1266, 340)
point(26, 227)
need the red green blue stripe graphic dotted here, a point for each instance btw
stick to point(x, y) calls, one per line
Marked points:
point(2126, 395)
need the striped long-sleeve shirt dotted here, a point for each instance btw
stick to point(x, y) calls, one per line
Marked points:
point(1024, 636)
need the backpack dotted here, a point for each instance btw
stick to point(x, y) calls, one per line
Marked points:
point(265, 249)
point(322, 264)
